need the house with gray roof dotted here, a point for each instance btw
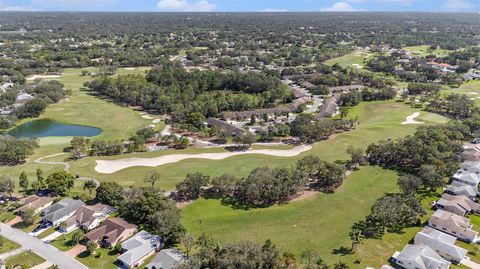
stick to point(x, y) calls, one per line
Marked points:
point(166, 259)
point(458, 188)
point(453, 224)
point(61, 211)
point(457, 204)
point(467, 177)
point(470, 166)
point(419, 257)
point(442, 243)
point(138, 248)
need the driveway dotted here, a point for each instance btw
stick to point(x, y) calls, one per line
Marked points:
point(48, 252)
point(469, 263)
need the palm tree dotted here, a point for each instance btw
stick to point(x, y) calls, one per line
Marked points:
point(340, 265)
point(357, 237)
point(89, 185)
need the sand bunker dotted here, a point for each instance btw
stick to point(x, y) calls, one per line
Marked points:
point(129, 68)
point(147, 117)
point(473, 93)
point(156, 121)
point(411, 119)
point(34, 77)
point(112, 166)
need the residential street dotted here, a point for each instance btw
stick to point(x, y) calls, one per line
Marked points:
point(46, 251)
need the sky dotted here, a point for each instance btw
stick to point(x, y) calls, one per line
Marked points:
point(242, 5)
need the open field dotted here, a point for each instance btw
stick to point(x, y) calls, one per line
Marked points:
point(424, 50)
point(103, 258)
point(355, 59)
point(471, 88)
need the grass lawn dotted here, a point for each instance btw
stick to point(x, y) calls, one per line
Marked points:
point(117, 122)
point(424, 50)
point(299, 225)
point(63, 242)
point(7, 216)
point(470, 88)
point(7, 245)
point(103, 258)
point(378, 120)
point(28, 228)
point(26, 260)
point(47, 232)
point(349, 60)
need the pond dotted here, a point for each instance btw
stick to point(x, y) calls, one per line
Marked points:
point(47, 127)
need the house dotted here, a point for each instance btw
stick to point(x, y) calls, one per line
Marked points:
point(453, 224)
point(470, 166)
point(419, 257)
point(225, 126)
point(457, 188)
point(166, 259)
point(346, 88)
point(22, 99)
point(111, 231)
point(138, 248)
point(61, 211)
point(467, 177)
point(329, 108)
point(88, 217)
point(457, 204)
point(35, 203)
point(441, 243)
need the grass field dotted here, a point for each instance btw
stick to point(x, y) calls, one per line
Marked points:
point(103, 258)
point(471, 88)
point(26, 260)
point(7, 245)
point(423, 50)
point(350, 60)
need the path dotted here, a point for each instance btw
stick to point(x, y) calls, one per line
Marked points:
point(46, 251)
point(66, 166)
point(112, 166)
point(411, 119)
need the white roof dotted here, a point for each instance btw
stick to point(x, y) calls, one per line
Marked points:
point(440, 242)
point(138, 246)
point(421, 256)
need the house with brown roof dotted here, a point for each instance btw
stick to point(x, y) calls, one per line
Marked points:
point(457, 204)
point(111, 231)
point(35, 203)
point(453, 224)
point(88, 217)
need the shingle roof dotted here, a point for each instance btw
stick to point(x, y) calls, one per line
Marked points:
point(61, 209)
point(86, 215)
point(470, 166)
point(460, 202)
point(441, 242)
point(423, 257)
point(459, 188)
point(111, 229)
point(166, 259)
point(138, 246)
point(467, 176)
point(34, 202)
point(223, 125)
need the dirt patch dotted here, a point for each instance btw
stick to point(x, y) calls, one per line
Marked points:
point(34, 77)
point(183, 204)
point(73, 252)
point(304, 195)
point(14, 221)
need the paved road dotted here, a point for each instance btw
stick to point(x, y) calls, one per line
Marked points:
point(48, 252)
point(66, 166)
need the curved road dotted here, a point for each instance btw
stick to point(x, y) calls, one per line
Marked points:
point(48, 252)
point(66, 166)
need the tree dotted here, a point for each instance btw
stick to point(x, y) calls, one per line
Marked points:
point(340, 265)
point(152, 178)
point(224, 184)
point(90, 185)
point(79, 147)
point(28, 217)
point(192, 187)
point(430, 177)
point(188, 242)
point(409, 184)
point(356, 156)
point(110, 193)
point(23, 181)
point(77, 236)
point(7, 185)
point(91, 247)
point(343, 112)
point(60, 182)
point(356, 236)
point(246, 139)
point(40, 180)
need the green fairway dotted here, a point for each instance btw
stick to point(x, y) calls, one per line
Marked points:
point(471, 88)
point(378, 120)
point(424, 50)
point(299, 225)
point(355, 59)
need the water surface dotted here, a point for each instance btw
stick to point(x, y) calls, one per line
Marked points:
point(46, 127)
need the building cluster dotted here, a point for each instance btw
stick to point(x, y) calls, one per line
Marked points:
point(434, 246)
point(100, 227)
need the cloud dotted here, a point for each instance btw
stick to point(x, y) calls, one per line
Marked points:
point(273, 10)
point(403, 2)
point(458, 5)
point(184, 5)
point(339, 6)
